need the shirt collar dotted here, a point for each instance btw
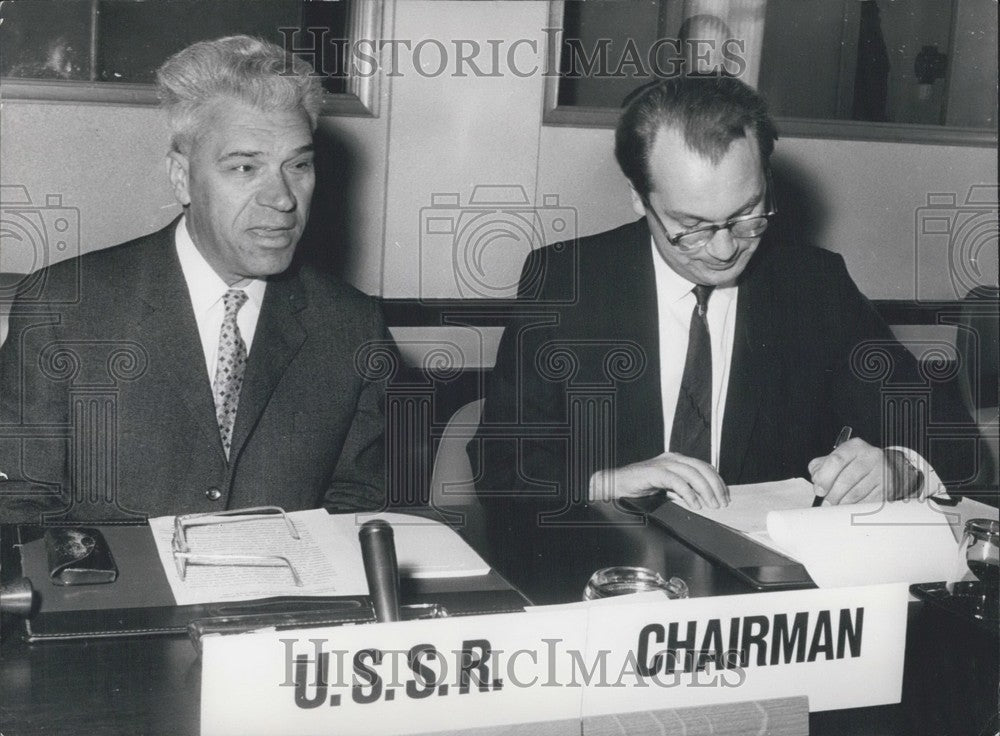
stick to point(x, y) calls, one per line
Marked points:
point(672, 287)
point(204, 284)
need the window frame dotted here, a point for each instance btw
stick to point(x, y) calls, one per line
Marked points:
point(578, 116)
point(365, 21)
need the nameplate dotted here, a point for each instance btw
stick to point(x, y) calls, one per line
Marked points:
point(396, 678)
point(841, 647)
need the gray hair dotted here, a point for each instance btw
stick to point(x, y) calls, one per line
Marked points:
point(241, 68)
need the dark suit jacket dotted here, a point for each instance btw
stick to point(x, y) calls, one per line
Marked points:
point(577, 381)
point(106, 406)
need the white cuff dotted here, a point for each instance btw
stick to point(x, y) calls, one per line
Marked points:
point(931, 484)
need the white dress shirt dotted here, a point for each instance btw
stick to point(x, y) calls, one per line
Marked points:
point(206, 289)
point(675, 303)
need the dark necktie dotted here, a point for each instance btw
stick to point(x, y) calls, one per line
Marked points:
point(692, 431)
point(229, 367)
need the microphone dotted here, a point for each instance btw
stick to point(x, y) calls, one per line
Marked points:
point(17, 597)
point(378, 550)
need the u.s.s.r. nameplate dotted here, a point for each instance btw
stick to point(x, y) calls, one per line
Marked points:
point(842, 648)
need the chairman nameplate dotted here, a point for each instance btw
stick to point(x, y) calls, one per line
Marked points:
point(841, 647)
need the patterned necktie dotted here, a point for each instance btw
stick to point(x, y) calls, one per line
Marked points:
point(692, 429)
point(229, 367)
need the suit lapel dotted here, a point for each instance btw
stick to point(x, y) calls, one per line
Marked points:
point(639, 421)
point(752, 372)
point(278, 337)
point(170, 333)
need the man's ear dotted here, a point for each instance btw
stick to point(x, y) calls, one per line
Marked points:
point(177, 170)
point(637, 202)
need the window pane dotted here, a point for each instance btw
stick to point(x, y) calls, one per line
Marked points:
point(606, 52)
point(928, 62)
point(51, 39)
point(45, 39)
point(135, 38)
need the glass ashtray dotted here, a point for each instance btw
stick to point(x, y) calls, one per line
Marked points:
point(615, 581)
point(420, 611)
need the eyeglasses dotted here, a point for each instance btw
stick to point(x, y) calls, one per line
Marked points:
point(744, 226)
point(183, 556)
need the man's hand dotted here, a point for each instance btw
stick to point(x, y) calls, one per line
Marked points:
point(856, 471)
point(695, 482)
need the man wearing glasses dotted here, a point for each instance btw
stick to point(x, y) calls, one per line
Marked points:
point(693, 349)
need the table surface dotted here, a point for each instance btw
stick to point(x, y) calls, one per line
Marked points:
point(152, 685)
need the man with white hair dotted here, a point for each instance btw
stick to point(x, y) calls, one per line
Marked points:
point(229, 371)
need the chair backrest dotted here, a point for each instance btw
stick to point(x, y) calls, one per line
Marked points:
point(8, 285)
point(452, 480)
point(977, 345)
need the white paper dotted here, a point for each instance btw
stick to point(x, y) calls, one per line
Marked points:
point(749, 504)
point(864, 544)
point(426, 548)
point(327, 556)
point(913, 541)
point(327, 563)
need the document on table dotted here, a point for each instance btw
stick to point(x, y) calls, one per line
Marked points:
point(328, 564)
point(327, 555)
point(861, 544)
point(749, 504)
point(426, 548)
point(868, 543)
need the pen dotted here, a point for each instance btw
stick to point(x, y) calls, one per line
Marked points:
point(845, 434)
